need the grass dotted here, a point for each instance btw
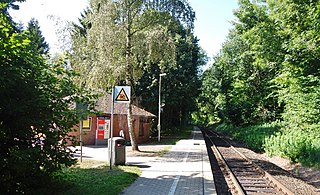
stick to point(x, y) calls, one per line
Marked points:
point(92, 177)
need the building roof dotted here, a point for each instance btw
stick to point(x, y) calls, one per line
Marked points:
point(104, 105)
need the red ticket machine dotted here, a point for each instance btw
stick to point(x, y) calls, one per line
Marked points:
point(103, 129)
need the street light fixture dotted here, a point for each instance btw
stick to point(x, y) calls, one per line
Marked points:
point(159, 114)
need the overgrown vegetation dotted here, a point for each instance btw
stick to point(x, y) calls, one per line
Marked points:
point(252, 136)
point(273, 138)
point(268, 70)
point(36, 113)
point(298, 144)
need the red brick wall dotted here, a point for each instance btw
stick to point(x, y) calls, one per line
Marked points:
point(88, 136)
point(120, 123)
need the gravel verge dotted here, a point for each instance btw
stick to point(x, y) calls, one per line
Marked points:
point(299, 179)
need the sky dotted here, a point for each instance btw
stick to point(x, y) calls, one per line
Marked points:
point(212, 23)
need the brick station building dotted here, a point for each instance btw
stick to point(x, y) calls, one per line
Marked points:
point(97, 128)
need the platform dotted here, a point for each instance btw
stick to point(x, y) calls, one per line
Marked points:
point(184, 170)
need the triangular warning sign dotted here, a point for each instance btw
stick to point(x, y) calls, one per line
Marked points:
point(122, 96)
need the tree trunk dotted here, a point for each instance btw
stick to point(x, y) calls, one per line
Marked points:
point(134, 144)
point(129, 80)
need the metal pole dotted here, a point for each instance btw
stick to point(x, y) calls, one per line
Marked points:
point(80, 140)
point(159, 114)
point(111, 129)
point(159, 110)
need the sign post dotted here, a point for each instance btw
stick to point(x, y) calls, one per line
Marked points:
point(111, 130)
point(81, 109)
point(120, 94)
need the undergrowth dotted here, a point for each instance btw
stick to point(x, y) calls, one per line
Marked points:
point(252, 136)
point(298, 144)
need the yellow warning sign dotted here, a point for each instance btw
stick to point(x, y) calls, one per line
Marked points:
point(122, 96)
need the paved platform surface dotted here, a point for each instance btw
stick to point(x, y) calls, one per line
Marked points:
point(184, 170)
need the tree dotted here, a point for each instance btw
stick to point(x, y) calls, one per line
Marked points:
point(35, 112)
point(126, 37)
point(245, 67)
point(297, 83)
point(268, 70)
point(38, 42)
point(7, 4)
point(180, 93)
point(84, 25)
point(180, 86)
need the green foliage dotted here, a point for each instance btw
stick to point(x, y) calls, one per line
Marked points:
point(38, 43)
point(298, 81)
point(276, 139)
point(5, 5)
point(181, 85)
point(296, 144)
point(253, 136)
point(35, 113)
point(268, 70)
point(159, 39)
point(209, 100)
point(118, 41)
point(237, 86)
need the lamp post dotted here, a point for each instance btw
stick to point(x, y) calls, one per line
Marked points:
point(159, 114)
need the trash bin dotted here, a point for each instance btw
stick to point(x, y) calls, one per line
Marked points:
point(117, 150)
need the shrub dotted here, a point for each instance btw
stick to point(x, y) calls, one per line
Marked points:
point(300, 144)
point(253, 136)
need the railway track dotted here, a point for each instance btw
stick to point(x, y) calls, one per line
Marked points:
point(242, 176)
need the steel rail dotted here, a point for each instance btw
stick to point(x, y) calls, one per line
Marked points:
point(234, 179)
point(268, 176)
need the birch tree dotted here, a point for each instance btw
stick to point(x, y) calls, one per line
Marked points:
point(125, 38)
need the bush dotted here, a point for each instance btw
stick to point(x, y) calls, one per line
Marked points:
point(35, 113)
point(253, 136)
point(298, 144)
